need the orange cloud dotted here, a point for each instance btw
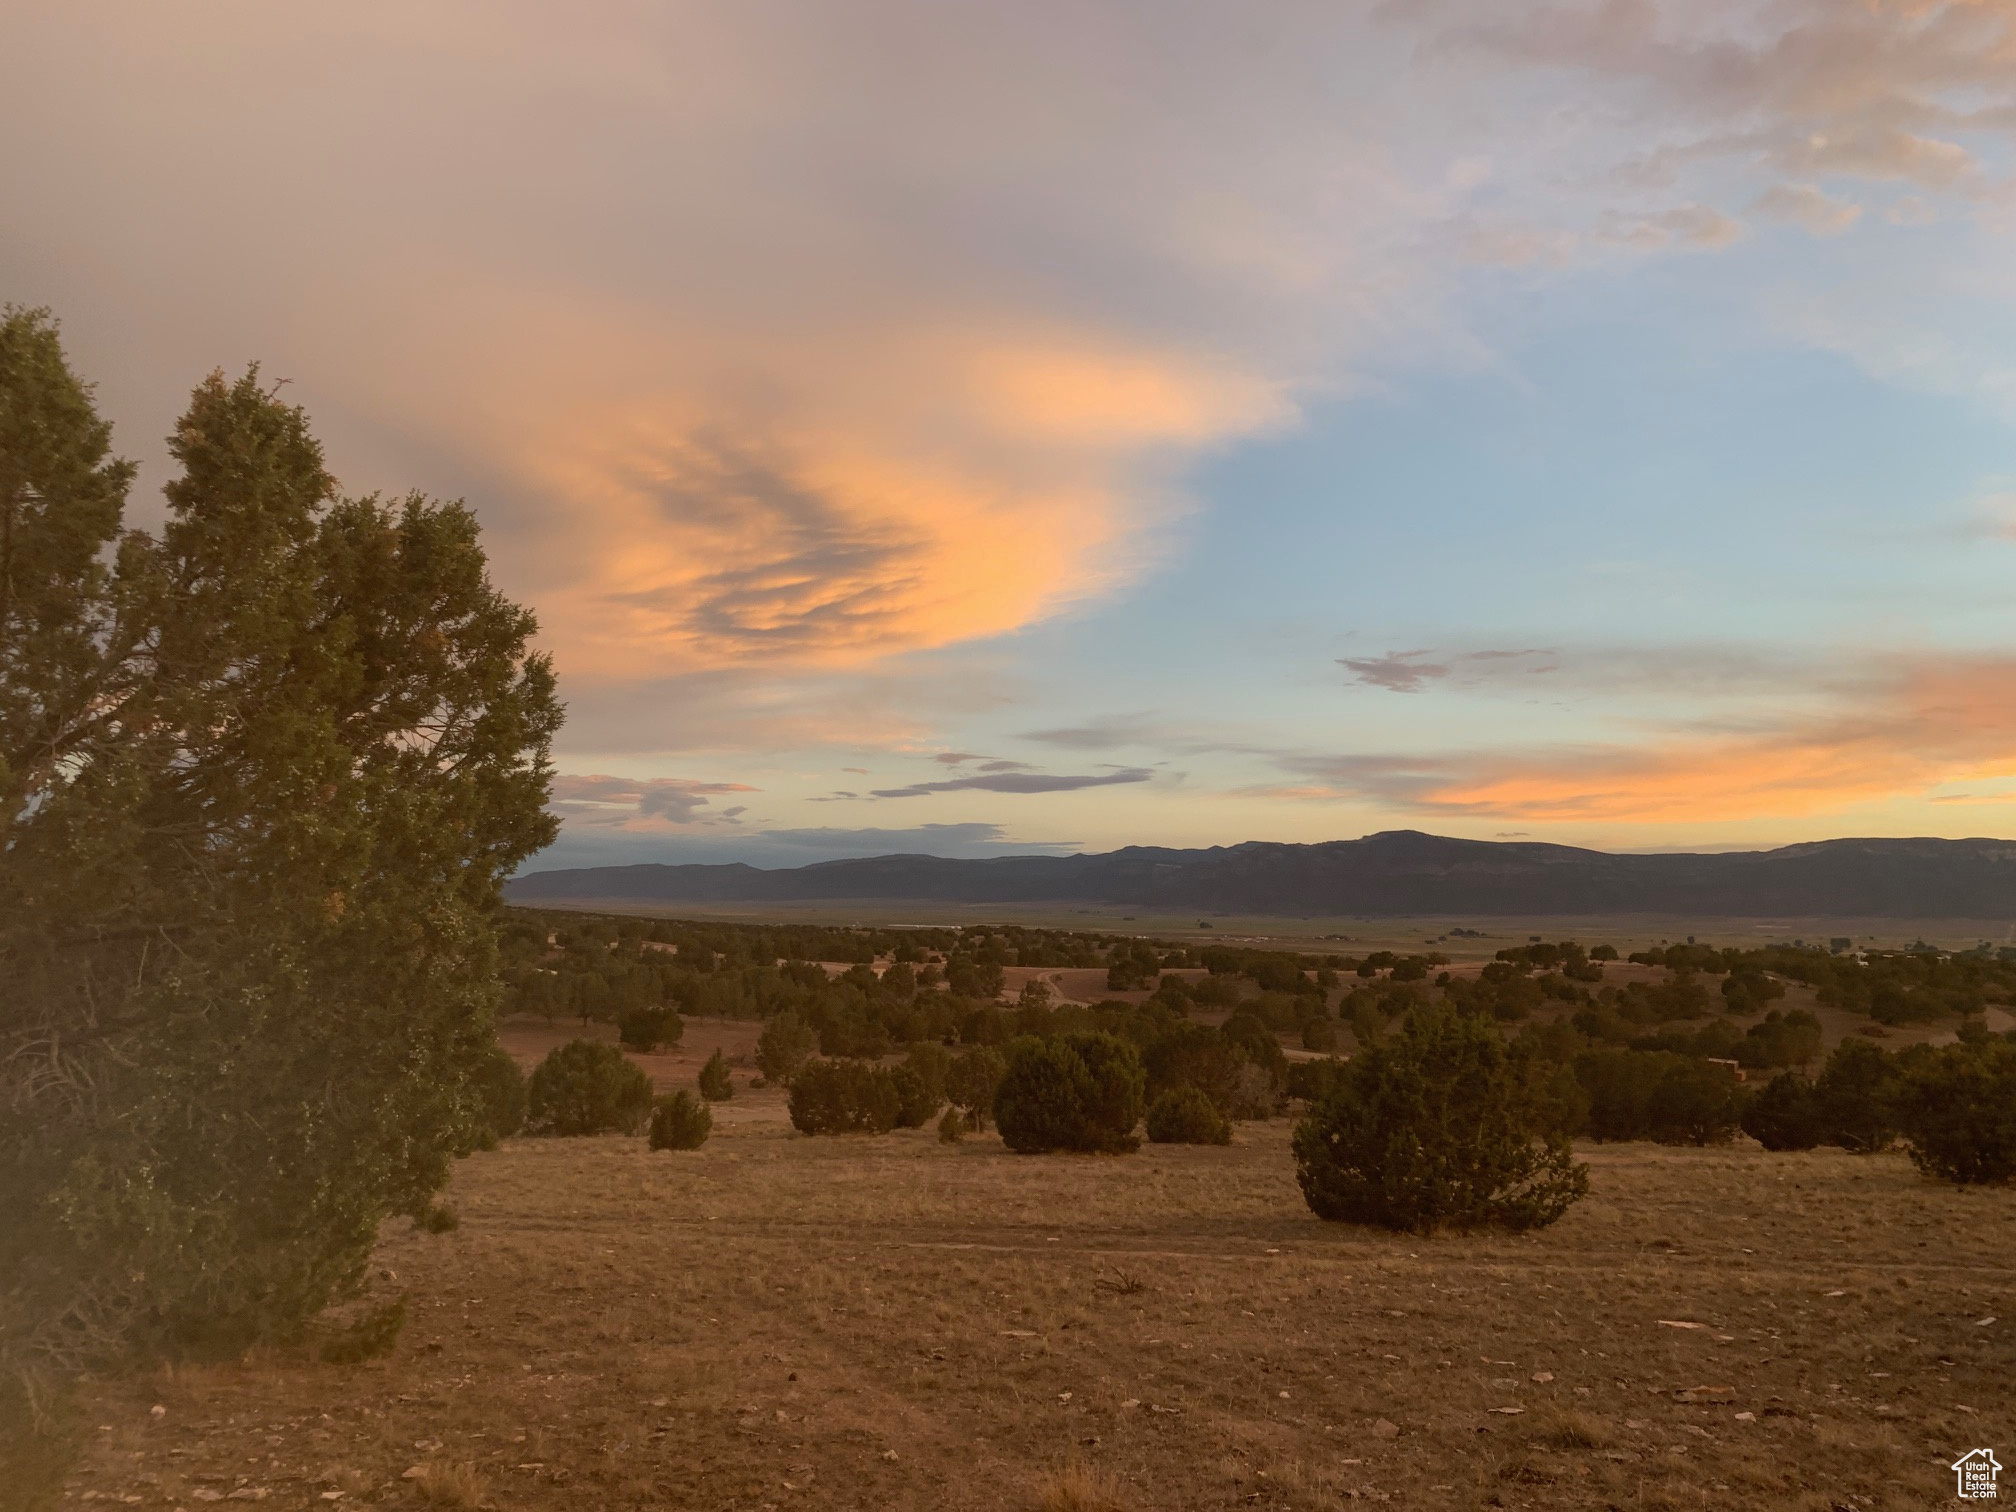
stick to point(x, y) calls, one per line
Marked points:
point(1922, 725)
point(705, 498)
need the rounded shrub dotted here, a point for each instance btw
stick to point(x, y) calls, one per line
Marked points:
point(680, 1122)
point(583, 1087)
point(1784, 1114)
point(1438, 1126)
point(785, 1044)
point(1857, 1090)
point(655, 1026)
point(1694, 1103)
point(972, 1080)
point(499, 1087)
point(1184, 1115)
point(1958, 1109)
point(715, 1084)
point(1075, 1092)
point(916, 1099)
point(844, 1097)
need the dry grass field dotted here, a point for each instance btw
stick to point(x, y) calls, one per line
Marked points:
point(777, 1322)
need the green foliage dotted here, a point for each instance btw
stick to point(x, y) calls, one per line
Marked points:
point(1184, 1115)
point(844, 1097)
point(1660, 1095)
point(262, 774)
point(972, 1080)
point(1075, 1092)
point(648, 1027)
point(715, 1083)
point(1784, 1114)
point(1436, 1127)
point(499, 1088)
point(1320, 1035)
point(916, 1099)
point(1694, 1103)
point(437, 1218)
point(680, 1122)
point(371, 1336)
point(1958, 1109)
point(1856, 1090)
point(1194, 1055)
point(952, 1127)
point(585, 1087)
point(1314, 1080)
point(784, 1045)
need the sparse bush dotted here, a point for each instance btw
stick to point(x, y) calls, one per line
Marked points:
point(844, 1097)
point(1074, 1092)
point(1784, 1114)
point(680, 1122)
point(785, 1044)
point(500, 1096)
point(1958, 1109)
point(648, 1027)
point(1438, 1126)
point(1320, 1035)
point(583, 1087)
point(715, 1083)
point(437, 1218)
point(1184, 1115)
point(952, 1127)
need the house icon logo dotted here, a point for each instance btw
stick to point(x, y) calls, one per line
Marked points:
point(1976, 1471)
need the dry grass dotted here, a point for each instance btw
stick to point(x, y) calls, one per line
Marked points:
point(1077, 1488)
point(444, 1483)
point(778, 1322)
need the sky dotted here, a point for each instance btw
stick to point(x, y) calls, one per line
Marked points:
point(1008, 426)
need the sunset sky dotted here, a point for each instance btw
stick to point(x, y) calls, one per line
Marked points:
point(924, 425)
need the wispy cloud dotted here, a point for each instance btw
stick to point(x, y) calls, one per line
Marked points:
point(1909, 726)
point(1018, 782)
point(642, 802)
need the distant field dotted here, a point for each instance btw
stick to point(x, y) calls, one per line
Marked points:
point(1361, 933)
point(777, 1322)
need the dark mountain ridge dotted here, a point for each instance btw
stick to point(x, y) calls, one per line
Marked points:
point(1398, 872)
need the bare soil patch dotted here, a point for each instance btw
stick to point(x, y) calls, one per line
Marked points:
point(776, 1322)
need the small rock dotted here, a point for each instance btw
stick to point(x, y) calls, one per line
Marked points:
point(1837, 1294)
point(1385, 1429)
point(1542, 1377)
point(413, 1472)
point(1676, 1323)
point(1284, 1396)
point(1746, 1417)
point(1983, 1322)
point(889, 1454)
point(157, 1411)
point(1063, 1396)
point(1705, 1394)
point(1130, 1404)
point(1509, 1411)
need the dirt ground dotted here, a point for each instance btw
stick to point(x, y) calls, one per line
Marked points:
point(893, 1323)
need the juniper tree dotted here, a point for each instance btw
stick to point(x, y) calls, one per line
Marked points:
point(1437, 1126)
point(264, 775)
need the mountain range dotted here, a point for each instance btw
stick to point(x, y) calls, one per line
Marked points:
point(1396, 872)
